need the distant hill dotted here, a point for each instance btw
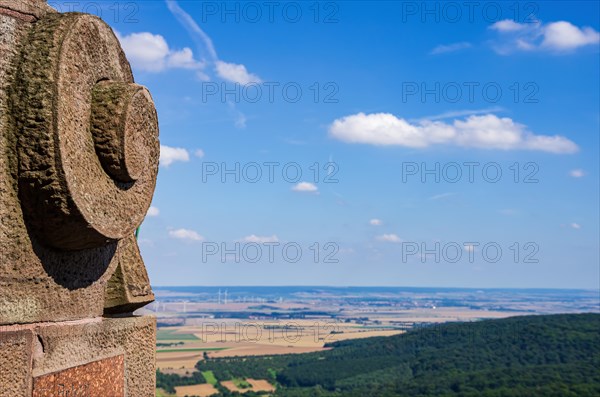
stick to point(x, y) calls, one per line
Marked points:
point(550, 355)
point(557, 355)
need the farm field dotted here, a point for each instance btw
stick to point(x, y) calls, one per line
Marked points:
point(236, 385)
point(204, 390)
point(261, 385)
point(162, 393)
point(210, 377)
point(206, 383)
point(233, 338)
point(245, 337)
point(286, 323)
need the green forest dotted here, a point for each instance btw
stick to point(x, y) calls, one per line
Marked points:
point(546, 355)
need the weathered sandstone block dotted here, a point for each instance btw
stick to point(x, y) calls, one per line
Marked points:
point(79, 159)
point(79, 156)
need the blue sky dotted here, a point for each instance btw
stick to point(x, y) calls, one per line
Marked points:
point(372, 95)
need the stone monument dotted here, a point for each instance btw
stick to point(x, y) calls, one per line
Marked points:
point(78, 164)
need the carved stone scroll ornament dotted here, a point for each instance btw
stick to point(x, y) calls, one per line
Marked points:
point(88, 143)
point(83, 139)
point(79, 156)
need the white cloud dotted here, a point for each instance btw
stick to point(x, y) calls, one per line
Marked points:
point(555, 37)
point(486, 132)
point(441, 196)
point(260, 239)
point(169, 155)
point(577, 173)
point(462, 113)
point(151, 53)
point(295, 141)
point(145, 51)
point(185, 234)
point(563, 35)
point(153, 211)
point(575, 225)
point(376, 222)
point(508, 25)
point(389, 238)
point(146, 242)
point(183, 59)
point(191, 26)
point(305, 187)
point(235, 73)
point(240, 120)
point(445, 48)
point(199, 153)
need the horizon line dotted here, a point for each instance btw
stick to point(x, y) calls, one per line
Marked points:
point(377, 286)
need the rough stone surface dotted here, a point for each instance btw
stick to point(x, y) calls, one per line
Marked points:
point(25, 9)
point(97, 379)
point(16, 351)
point(78, 165)
point(129, 288)
point(69, 199)
point(65, 213)
point(45, 349)
point(122, 116)
point(133, 337)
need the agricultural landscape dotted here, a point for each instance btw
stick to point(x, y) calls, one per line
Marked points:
point(203, 329)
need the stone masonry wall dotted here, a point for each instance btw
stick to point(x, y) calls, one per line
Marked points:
point(78, 165)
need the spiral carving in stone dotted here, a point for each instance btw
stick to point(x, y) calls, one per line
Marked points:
point(87, 135)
